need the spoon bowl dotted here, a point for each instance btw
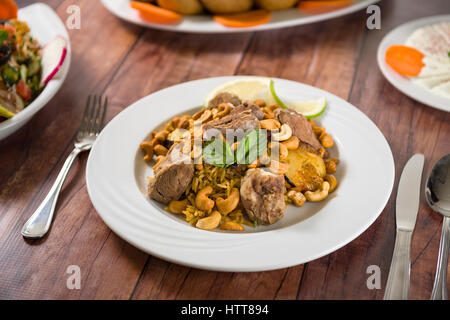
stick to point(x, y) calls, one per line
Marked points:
point(437, 194)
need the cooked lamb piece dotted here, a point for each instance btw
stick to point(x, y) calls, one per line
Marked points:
point(244, 121)
point(172, 176)
point(262, 195)
point(301, 128)
point(257, 112)
point(224, 97)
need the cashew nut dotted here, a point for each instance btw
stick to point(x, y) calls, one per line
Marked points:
point(198, 114)
point(260, 103)
point(330, 166)
point(206, 115)
point(202, 202)
point(268, 115)
point(160, 150)
point(184, 122)
point(332, 181)
point(292, 143)
point(148, 149)
point(209, 222)
point(178, 206)
point(278, 167)
point(222, 110)
point(225, 206)
point(319, 194)
point(298, 199)
point(160, 136)
point(270, 124)
point(178, 134)
point(284, 134)
point(282, 150)
point(326, 140)
point(230, 225)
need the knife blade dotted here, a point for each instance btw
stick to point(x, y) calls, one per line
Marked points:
point(408, 194)
point(407, 207)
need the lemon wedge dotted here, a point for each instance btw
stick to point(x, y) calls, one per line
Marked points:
point(249, 88)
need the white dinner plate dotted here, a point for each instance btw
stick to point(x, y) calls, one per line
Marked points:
point(44, 25)
point(204, 23)
point(117, 176)
point(399, 36)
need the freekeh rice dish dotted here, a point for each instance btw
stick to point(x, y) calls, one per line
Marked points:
point(238, 163)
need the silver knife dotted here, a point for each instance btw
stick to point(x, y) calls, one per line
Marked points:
point(407, 206)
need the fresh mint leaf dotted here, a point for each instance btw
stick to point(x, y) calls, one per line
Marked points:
point(251, 147)
point(218, 153)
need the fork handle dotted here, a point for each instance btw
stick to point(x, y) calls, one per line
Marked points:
point(39, 222)
point(440, 280)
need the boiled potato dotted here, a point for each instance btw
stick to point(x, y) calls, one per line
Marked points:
point(227, 6)
point(306, 169)
point(275, 4)
point(182, 6)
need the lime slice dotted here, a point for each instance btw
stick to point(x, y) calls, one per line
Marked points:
point(310, 108)
point(5, 113)
point(277, 99)
point(249, 88)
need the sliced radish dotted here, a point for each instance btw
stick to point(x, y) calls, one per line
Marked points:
point(53, 55)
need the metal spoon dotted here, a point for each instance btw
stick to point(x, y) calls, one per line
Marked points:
point(437, 193)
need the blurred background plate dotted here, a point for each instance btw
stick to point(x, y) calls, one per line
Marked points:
point(205, 24)
point(399, 36)
point(44, 25)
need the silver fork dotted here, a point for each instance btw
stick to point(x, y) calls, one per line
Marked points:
point(91, 125)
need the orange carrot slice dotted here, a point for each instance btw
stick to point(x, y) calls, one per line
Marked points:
point(405, 60)
point(316, 7)
point(155, 14)
point(8, 9)
point(243, 19)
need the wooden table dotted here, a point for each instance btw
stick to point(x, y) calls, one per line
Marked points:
point(126, 63)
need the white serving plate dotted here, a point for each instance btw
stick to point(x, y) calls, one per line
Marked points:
point(44, 25)
point(205, 24)
point(116, 181)
point(412, 90)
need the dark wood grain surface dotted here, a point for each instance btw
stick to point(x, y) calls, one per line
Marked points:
point(127, 62)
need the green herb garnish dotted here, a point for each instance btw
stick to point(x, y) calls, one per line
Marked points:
point(218, 153)
point(251, 147)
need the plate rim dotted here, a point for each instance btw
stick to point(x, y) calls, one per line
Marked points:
point(269, 26)
point(420, 95)
point(273, 266)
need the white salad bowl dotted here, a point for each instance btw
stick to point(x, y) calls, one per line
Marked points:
point(44, 25)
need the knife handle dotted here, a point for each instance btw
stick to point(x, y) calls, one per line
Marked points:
point(397, 287)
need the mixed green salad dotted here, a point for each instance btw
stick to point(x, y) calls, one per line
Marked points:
point(20, 68)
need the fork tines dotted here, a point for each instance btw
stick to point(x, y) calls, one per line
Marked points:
point(93, 116)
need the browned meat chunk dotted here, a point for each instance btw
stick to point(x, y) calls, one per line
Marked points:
point(172, 176)
point(262, 195)
point(244, 120)
point(224, 97)
point(301, 128)
point(257, 112)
